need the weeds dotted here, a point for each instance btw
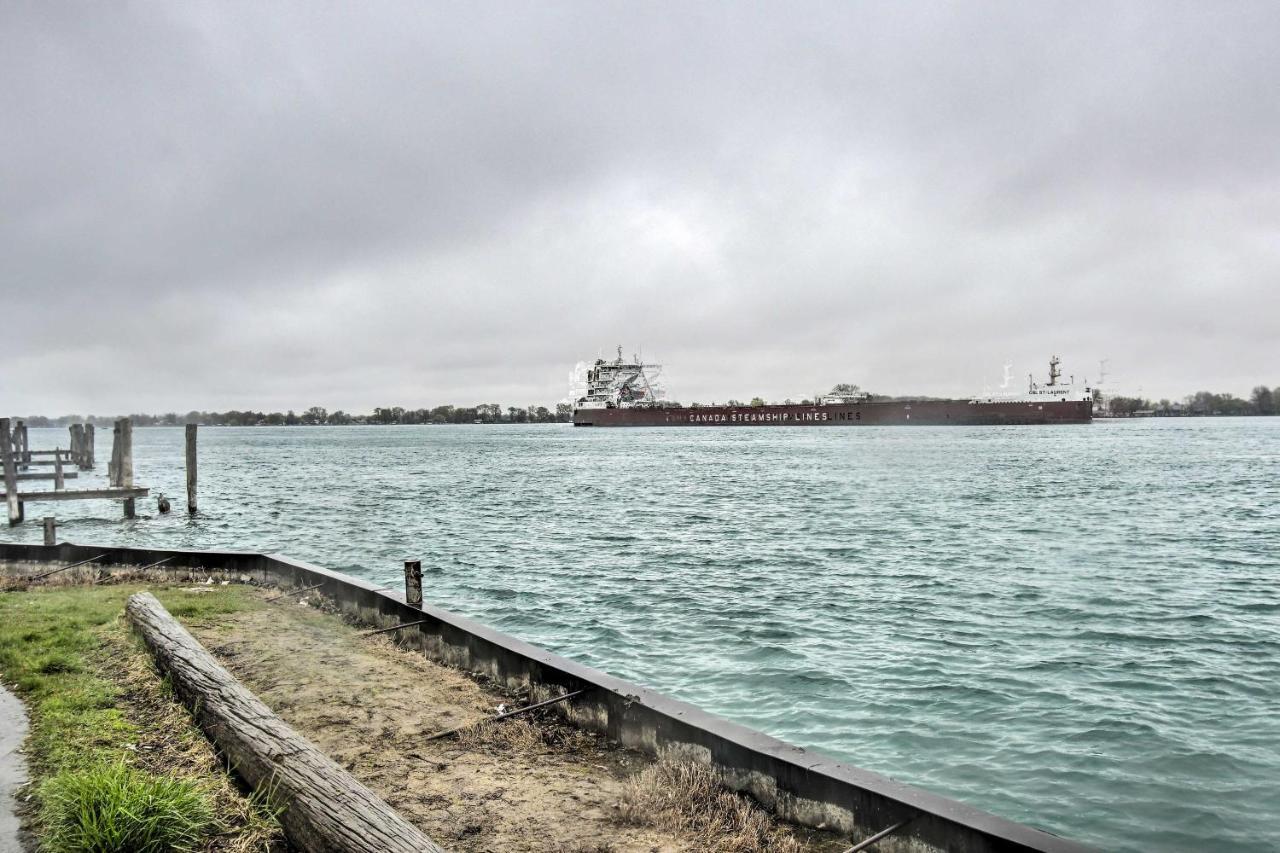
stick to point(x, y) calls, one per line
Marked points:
point(687, 798)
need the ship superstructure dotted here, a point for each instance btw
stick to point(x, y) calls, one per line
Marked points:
point(1054, 389)
point(626, 393)
point(621, 384)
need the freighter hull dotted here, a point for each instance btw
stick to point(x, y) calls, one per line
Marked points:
point(879, 413)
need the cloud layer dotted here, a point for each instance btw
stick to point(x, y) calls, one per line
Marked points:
point(216, 206)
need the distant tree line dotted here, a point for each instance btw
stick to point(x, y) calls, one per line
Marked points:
point(1262, 401)
point(486, 413)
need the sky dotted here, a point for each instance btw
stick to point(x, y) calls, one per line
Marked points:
point(274, 206)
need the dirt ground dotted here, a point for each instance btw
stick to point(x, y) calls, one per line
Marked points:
point(369, 704)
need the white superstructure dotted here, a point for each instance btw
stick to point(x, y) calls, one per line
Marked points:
point(621, 384)
point(1054, 389)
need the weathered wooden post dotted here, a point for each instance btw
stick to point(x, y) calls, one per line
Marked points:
point(126, 463)
point(58, 481)
point(77, 444)
point(413, 582)
point(113, 467)
point(50, 530)
point(191, 469)
point(88, 446)
point(10, 474)
point(25, 445)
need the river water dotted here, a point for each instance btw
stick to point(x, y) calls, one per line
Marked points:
point(1075, 627)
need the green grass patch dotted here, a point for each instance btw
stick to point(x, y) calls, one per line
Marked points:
point(49, 642)
point(117, 809)
point(99, 716)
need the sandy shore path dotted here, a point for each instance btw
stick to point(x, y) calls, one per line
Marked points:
point(369, 705)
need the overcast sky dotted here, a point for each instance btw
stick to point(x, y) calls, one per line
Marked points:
point(272, 205)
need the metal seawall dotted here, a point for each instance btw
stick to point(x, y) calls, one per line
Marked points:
point(796, 784)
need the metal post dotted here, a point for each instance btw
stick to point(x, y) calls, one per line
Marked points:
point(50, 530)
point(191, 469)
point(413, 582)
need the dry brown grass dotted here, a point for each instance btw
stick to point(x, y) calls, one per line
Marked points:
point(687, 798)
point(526, 736)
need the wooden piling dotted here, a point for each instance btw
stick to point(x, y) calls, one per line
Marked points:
point(77, 444)
point(413, 582)
point(24, 444)
point(126, 463)
point(113, 467)
point(58, 482)
point(10, 474)
point(50, 530)
point(88, 447)
point(191, 469)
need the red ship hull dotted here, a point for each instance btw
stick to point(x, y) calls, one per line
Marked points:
point(878, 413)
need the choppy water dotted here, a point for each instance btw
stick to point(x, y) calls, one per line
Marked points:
point(1073, 627)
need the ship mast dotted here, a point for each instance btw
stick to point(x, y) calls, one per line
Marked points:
point(1055, 373)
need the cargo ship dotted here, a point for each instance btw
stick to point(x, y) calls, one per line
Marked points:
point(625, 393)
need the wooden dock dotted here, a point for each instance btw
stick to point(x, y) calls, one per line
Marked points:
point(17, 456)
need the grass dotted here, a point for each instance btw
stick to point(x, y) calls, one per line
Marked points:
point(688, 799)
point(95, 703)
point(118, 809)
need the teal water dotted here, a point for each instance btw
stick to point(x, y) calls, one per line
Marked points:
point(1075, 627)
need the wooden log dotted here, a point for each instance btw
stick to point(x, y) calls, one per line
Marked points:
point(10, 473)
point(413, 582)
point(58, 482)
point(67, 455)
point(50, 530)
point(88, 447)
point(66, 475)
point(191, 469)
point(324, 808)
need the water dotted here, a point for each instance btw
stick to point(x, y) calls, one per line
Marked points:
point(1073, 627)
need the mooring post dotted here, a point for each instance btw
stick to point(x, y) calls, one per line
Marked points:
point(413, 582)
point(25, 445)
point(50, 530)
point(191, 469)
point(88, 447)
point(126, 463)
point(77, 444)
point(58, 481)
point(113, 467)
point(10, 473)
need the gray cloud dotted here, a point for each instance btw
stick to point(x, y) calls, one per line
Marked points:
point(244, 206)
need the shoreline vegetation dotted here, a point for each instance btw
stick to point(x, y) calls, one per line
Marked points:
point(115, 763)
point(1262, 401)
point(119, 766)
